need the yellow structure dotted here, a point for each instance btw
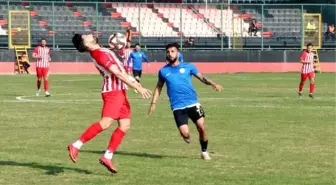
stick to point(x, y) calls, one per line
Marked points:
point(19, 37)
point(21, 54)
point(237, 33)
point(312, 33)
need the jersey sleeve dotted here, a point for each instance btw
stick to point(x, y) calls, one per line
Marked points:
point(144, 57)
point(303, 55)
point(193, 69)
point(106, 61)
point(36, 50)
point(160, 77)
point(130, 58)
point(122, 53)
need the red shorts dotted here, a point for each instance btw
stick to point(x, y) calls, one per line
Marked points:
point(42, 72)
point(116, 105)
point(304, 76)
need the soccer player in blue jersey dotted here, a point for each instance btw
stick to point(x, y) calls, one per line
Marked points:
point(137, 56)
point(182, 96)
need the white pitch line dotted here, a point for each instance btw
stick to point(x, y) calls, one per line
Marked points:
point(80, 80)
point(88, 101)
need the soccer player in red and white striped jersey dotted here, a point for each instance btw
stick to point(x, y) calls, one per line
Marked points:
point(42, 55)
point(124, 54)
point(115, 102)
point(307, 70)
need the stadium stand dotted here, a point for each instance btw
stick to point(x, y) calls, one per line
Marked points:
point(160, 23)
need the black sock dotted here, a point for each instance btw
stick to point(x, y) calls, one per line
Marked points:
point(204, 145)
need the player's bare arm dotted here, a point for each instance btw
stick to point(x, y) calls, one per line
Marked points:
point(156, 95)
point(133, 84)
point(207, 81)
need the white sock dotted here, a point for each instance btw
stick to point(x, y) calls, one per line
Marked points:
point(78, 144)
point(108, 154)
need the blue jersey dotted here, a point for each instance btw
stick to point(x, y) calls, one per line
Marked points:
point(137, 57)
point(180, 57)
point(180, 90)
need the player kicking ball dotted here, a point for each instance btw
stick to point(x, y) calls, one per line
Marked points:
point(115, 103)
point(182, 96)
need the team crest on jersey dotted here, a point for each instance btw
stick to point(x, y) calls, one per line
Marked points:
point(182, 70)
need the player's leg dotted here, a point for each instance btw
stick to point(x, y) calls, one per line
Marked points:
point(302, 82)
point(45, 73)
point(92, 131)
point(181, 120)
point(137, 76)
point(203, 138)
point(39, 79)
point(196, 114)
point(312, 84)
point(124, 124)
point(110, 112)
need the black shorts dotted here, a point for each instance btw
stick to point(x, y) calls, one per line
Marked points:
point(182, 115)
point(137, 73)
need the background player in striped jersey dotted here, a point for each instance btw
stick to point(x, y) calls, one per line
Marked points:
point(124, 54)
point(42, 55)
point(115, 102)
point(307, 70)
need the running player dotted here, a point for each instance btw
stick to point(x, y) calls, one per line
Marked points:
point(307, 70)
point(115, 102)
point(42, 55)
point(182, 96)
point(137, 56)
point(124, 54)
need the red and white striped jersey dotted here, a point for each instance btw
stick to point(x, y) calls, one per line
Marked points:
point(124, 54)
point(307, 67)
point(103, 60)
point(44, 56)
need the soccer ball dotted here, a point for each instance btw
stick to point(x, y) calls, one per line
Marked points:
point(117, 41)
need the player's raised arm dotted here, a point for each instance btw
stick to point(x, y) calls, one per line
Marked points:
point(144, 57)
point(156, 95)
point(207, 81)
point(130, 81)
point(194, 71)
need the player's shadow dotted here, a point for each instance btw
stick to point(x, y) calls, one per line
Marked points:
point(50, 169)
point(136, 154)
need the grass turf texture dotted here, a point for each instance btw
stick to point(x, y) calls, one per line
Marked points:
point(259, 133)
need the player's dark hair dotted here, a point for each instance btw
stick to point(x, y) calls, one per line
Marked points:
point(137, 44)
point(43, 39)
point(96, 38)
point(175, 45)
point(78, 42)
point(309, 44)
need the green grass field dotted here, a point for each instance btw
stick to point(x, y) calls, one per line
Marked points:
point(260, 133)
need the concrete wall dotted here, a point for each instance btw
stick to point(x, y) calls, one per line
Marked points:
point(191, 56)
point(73, 62)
